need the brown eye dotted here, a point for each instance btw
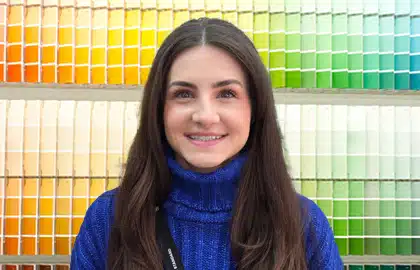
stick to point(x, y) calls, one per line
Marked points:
point(183, 94)
point(227, 94)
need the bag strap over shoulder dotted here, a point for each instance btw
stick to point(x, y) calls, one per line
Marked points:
point(169, 251)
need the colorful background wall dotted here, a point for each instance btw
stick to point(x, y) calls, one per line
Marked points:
point(304, 43)
point(360, 163)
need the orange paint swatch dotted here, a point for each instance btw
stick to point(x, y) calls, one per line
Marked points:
point(28, 245)
point(65, 35)
point(82, 75)
point(65, 74)
point(31, 54)
point(62, 245)
point(62, 226)
point(46, 206)
point(115, 75)
point(12, 226)
point(12, 207)
point(97, 187)
point(14, 73)
point(32, 73)
point(11, 246)
point(29, 206)
point(48, 54)
point(76, 224)
point(45, 246)
point(65, 55)
point(28, 226)
point(131, 75)
point(2, 78)
point(14, 34)
point(45, 226)
point(79, 206)
point(62, 206)
point(14, 53)
point(32, 35)
point(48, 74)
point(81, 187)
point(144, 74)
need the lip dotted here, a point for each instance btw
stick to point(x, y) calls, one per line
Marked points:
point(204, 134)
point(205, 143)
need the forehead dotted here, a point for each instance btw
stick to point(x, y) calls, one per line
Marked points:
point(205, 64)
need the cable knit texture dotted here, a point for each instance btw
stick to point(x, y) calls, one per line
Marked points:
point(199, 210)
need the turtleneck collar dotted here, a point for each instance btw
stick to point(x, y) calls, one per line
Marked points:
point(205, 197)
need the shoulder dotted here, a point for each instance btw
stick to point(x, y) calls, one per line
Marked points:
point(102, 207)
point(105, 201)
point(312, 213)
point(89, 250)
point(321, 249)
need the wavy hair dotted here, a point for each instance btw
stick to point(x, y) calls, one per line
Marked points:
point(267, 231)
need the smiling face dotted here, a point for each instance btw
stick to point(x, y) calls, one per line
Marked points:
point(207, 111)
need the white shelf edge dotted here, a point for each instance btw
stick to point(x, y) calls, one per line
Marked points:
point(302, 96)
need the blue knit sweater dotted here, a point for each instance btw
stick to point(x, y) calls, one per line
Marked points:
point(199, 209)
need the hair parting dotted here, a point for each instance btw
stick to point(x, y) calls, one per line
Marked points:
point(266, 231)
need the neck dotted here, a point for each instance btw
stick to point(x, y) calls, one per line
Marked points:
point(212, 192)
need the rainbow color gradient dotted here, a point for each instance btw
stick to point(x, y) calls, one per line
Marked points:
point(304, 43)
point(360, 164)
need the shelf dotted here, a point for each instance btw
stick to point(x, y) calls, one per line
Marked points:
point(9, 91)
point(353, 260)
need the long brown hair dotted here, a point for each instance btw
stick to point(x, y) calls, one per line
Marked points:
point(266, 228)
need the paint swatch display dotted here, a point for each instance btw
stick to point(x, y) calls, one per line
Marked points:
point(304, 44)
point(55, 159)
point(360, 164)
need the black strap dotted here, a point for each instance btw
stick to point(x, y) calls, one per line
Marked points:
point(171, 257)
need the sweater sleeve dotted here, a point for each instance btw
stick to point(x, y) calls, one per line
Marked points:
point(322, 251)
point(89, 250)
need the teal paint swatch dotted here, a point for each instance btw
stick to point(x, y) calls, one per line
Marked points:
point(356, 44)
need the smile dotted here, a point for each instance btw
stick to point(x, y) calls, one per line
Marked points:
point(205, 141)
point(205, 138)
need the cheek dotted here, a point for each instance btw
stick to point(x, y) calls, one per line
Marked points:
point(240, 122)
point(173, 121)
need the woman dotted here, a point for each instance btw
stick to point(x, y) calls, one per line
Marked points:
point(208, 152)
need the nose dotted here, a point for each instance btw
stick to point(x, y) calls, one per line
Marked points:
point(206, 114)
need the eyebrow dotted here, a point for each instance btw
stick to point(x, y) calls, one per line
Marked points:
point(214, 85)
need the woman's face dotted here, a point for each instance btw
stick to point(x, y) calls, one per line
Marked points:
point(207, 111)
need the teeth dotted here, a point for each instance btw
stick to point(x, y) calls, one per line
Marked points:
point(205, 138)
